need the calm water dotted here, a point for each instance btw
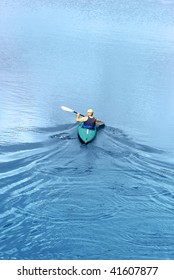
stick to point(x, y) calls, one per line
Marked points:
point(113, 198)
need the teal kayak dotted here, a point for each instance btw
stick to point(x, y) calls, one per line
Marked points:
point(86, 134)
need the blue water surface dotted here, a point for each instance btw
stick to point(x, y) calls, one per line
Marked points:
point(112, 198)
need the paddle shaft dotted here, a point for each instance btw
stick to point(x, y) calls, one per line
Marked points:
point(77, 113)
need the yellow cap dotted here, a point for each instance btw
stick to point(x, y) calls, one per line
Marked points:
point(90, 111)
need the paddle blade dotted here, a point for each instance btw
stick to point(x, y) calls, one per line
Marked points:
point(67, 109)
point(100, 123)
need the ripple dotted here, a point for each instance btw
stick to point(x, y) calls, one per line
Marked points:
point(117, 191)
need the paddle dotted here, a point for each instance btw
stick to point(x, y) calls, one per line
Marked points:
point(70, 110)
point(98, 122)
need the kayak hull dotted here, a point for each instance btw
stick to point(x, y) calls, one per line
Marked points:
point(86, 135)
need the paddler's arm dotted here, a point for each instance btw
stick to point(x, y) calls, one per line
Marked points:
point(78, 119)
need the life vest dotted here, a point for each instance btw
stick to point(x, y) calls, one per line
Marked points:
point(90, 123)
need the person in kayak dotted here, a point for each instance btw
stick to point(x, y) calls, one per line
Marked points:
point(89, 121)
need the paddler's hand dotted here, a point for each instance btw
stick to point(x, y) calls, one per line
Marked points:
point(78, 115)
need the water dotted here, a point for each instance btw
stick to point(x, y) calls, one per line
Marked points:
point(113, 198)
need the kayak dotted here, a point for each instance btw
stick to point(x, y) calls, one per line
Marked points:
point(86, 134)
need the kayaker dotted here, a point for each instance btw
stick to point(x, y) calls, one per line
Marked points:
point(89, 120)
